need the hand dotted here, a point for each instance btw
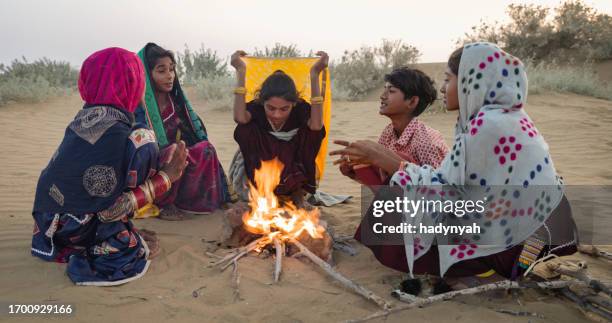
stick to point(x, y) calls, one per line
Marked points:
point(178, 161)
point(237, 62)
point(346, 169)
point(321, 64)
point(345, 163)
point(358, 152)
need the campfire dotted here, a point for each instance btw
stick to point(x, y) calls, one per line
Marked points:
point(280, 224)
point(284, 228)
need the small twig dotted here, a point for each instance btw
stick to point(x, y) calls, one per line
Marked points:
point(594, 252)
point(580, 274)
point(366, 293)
point(520, 313)
point(236, 278)
point(405, 297)
point(280, 250)
point(599, 301)
point(240, 252)
point(585, 306)
point(502, 285)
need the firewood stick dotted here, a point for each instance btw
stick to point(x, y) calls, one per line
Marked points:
point(366, 293)
point(601, 302)
point(587, 308)
point(502, 285)
point(405, 297)
point(241, 254)
point(236, 278)
point(580, 274)
point(605, 254)
point(227, 260)
point(278, 245)
point(594, 251)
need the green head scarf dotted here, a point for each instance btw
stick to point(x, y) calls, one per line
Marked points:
point(154, 119)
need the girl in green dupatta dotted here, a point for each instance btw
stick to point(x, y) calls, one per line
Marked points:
point(203, 187)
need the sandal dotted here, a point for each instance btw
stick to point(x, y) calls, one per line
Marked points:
point(171, 213)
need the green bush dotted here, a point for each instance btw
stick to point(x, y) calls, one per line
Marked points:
point(576, 32)
point(36, 81)
point(566, 78)
point(200, 64)
point(217, 92)
point(360, 71)
point(338, 93)
point(279, 50)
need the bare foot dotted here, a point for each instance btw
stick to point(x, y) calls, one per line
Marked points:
point(150, 237)
point(171, 213)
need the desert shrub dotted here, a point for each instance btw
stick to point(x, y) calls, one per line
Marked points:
point(24, 81)
point(279, 50)
point(579, 79)
point(339, 94)
point(217, 92)
point(204, 63)
point(362, 70)
point(575, 32)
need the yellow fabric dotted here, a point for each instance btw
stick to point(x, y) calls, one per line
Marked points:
point(258, 69)
point(147, 211)
point(487, 274)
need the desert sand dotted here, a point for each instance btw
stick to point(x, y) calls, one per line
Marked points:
point(578, 130)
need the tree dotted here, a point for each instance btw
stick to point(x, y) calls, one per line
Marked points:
point(575, 32)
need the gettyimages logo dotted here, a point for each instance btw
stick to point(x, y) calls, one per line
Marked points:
point(495, 215)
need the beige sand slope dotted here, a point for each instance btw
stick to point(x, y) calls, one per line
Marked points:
point(578, 129)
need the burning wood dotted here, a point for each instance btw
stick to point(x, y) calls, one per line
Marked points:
point(266, 223)
point(264, 216)
point(280, 250)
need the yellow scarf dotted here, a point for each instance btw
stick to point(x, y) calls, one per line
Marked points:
point(258, 69)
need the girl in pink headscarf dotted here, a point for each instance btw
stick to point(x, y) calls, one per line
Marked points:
point(105, 168)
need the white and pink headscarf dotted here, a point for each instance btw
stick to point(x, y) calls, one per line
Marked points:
point(498, 154)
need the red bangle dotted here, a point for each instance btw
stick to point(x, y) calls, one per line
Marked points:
point(159, 185)
point(141, 198)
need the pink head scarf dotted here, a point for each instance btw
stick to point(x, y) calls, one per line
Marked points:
point(112, 76)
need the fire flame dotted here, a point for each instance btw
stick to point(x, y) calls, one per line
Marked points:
point(268, 218)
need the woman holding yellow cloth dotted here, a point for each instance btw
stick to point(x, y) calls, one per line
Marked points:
point(278, 123)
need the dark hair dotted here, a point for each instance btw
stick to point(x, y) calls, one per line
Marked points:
point(413, 82)
point(278, 84)
point(454, 60)
point(154, 52)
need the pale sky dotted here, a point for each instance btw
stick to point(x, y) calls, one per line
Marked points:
point(72, 29)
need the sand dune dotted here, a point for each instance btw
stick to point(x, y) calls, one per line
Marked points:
point(577, 128)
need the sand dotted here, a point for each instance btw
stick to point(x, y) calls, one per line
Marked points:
point(577, 128)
